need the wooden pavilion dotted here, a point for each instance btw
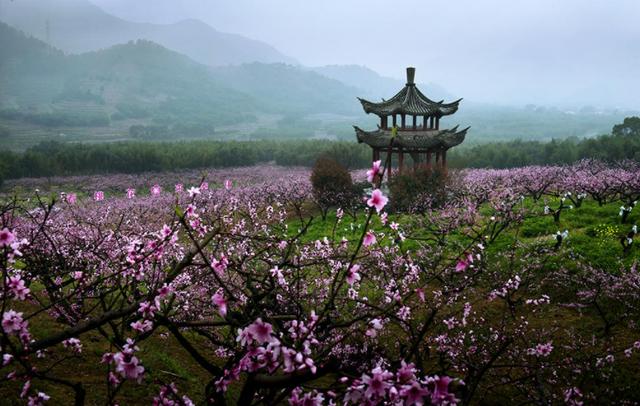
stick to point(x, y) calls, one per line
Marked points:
point(410, 123)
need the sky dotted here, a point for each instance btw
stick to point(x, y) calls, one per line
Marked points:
point(517, 51)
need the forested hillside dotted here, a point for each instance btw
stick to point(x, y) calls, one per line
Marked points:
point(144, 84)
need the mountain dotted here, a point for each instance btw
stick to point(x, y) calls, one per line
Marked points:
point(142, 82)
point(137, 80)
point(78, 26)
point(280, 88)
point(373, 85)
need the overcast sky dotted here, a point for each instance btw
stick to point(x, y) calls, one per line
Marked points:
point(512, 51)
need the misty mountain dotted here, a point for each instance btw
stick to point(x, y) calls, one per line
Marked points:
point(78, 26)
point(134, 80)
point(280, 88)
point(372, 85)
point(144, 81)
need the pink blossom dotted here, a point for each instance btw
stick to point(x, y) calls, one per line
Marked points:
point(204, 186)
point(17, 287)
point(131, 193)
point(352, 275)
point(147, 310)
point(113, 379)
point(413, 394)
point(74, 344)
point(155, 190)
point(219, 266)
point(193, 191)
point(440, 394)
point(164, 290)
point(277, 273)
point(6, 359)
point(142, 326)
point(12, 322)
point(543, 350)
point(377, 200)
point(220, 302)
point(369, 239)
point(71, 198)
point(38, 400)
point(377, 383)
point(261, 331)
point(375, 326)
point(374, 171)
point(228, 184)
point(297, 398)
point(179, 188)
point(98, 196)
point(128, 366)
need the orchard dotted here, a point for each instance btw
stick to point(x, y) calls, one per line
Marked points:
point(520, 286)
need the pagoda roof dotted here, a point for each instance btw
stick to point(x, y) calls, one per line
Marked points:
point(416, 139)
point(410, 100)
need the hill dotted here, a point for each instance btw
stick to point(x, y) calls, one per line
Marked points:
point(132, 81)
point(144, 84)
point(78, 26)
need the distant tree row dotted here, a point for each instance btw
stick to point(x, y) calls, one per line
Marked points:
point(54, 158)
point(522, 153)
point(58, 119)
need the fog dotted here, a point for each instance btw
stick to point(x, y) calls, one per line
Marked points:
point(535, 51)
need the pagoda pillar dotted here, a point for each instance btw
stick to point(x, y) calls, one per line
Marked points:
point(425, 121)
point(444, 161)
point(390, 162)
point(402, 118)
point(401, 160)
point(394, 120)
point(383, 122)
point(437, 159)
point(437, 123)
point(415, 120)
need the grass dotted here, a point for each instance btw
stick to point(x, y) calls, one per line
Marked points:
point(594, 231)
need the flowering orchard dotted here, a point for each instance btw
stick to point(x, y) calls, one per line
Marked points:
point(442, 305)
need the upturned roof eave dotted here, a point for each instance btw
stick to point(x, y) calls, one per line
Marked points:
point(410, 101)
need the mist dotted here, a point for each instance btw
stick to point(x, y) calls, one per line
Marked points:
point(569, 53)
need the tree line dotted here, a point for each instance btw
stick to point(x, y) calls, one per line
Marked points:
point(55, 158)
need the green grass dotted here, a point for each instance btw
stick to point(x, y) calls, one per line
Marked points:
point(586, 225)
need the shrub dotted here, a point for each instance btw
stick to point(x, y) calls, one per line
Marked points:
point(332, 184)
point(418, 190)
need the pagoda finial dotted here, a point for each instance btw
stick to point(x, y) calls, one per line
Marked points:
point(411, 74)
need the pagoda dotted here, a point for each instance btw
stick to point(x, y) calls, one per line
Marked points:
point(414, 127)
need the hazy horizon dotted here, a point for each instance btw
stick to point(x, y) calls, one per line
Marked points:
point(543, 52)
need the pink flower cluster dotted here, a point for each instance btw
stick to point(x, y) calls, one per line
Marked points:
point(126, 364)
point(402, 387)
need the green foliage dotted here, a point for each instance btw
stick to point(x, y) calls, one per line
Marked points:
point(608, 148)
point(630, 127)
point(55, 158)
point(332, 184)
point(411, 189)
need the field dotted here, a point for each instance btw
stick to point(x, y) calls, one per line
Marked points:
point(245, 286)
